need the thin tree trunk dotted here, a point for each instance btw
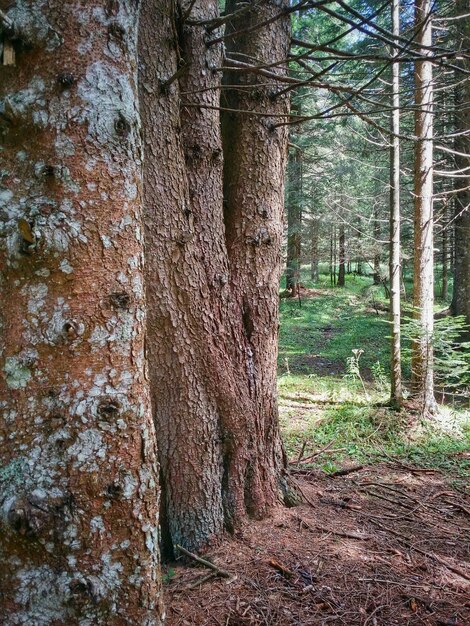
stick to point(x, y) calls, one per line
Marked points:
point(377, 255)
point(445, 262)
point(395, 221)
point(342, 256)
point(331, 254)
point(294, 221)
point(461, 294)
point(78, 476)
point(314, 235)
point(423, 288)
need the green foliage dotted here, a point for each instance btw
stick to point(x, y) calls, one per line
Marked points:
point(319, 335)
point(362, 432)
point(451, 354)
point(168, 575)
point(319, 404)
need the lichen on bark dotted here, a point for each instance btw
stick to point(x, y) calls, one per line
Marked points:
point(78, 472)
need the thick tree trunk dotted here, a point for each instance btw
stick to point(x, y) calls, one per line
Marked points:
point(216, 464)
point(395, 224)
point(423, 286)
point(461, 294)
point(179, 277)
point(78, 479)
point(255, 153)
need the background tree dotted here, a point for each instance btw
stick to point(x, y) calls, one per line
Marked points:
point(461, 293)
point(78, 479)
point(423, 284)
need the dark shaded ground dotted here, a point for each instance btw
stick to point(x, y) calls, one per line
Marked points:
point(386, 545)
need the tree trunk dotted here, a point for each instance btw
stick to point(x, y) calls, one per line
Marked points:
point(445, 262)
point(78, 479)
point(377, 255)
point(461, 294)
point(342, 256)
point(255, 153)
point(395, 223)
point(314, 260)
point(294, 221)
point(220, 458)
point(423, 286)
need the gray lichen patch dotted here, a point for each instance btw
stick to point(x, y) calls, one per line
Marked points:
point(17, 375)
point(88, 447)
point(32, 24)
point(100, 89)
point(16, 106)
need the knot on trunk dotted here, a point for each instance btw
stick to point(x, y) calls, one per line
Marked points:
point(33, 514)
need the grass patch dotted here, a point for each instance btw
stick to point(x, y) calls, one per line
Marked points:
point(321, 402)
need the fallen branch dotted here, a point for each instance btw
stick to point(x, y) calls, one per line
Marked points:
point(430, 555)
point(310, 458)
point(285, 571)
point(341, 503)
point(339, 533)
point(346, 471)
point(220, 572)
point(201, 581)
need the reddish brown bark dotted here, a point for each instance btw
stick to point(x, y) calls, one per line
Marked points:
point(78, 480)
point(255, 153)
point(202, 383)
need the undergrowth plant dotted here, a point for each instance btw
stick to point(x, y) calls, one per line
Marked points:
point(451, 354)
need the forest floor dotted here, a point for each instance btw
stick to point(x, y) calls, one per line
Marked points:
point(384, 545)
point(382, 537)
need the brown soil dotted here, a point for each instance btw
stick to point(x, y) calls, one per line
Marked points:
point(383, 546)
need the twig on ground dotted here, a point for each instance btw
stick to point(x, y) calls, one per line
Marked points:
point(201, 581)
point(220, 572)
point(431, 555)
point(301, 453)
point(339, 533)
point(347, 470)
point(285, 571)
point(310, 458)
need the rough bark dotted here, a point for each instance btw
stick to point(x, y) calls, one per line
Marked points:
point(78, 479)
point(395, 224)
point(255, 153)
point(214, 471)
point(423, 285)
point(461, 294)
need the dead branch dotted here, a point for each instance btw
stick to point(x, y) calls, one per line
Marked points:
point(219, 572)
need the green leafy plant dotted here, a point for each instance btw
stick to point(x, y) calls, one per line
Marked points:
point(379, 375)
point(451, 354)
point(353, 369)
